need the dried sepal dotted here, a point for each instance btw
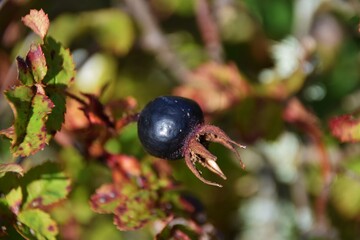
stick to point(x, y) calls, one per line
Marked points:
point(197, 152)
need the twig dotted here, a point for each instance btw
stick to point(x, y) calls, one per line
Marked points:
point(19, 160)
point(209, 31)
point(81, 101)
point(296, 113)
point(2, 3)
point(155, 41)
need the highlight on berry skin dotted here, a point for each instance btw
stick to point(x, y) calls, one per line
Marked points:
point(172, 127)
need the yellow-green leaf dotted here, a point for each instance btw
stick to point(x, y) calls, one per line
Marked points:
point(61, 68)
point(35, 136)
point(45, 185)
point(36, 224)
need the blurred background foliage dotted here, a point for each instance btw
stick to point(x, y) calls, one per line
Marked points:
point(270, 73)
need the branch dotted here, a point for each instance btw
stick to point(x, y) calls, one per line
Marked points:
point(155, 41)
point(209, 31)
point(2, 3)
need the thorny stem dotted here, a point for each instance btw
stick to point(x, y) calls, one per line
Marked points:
point(155, 41)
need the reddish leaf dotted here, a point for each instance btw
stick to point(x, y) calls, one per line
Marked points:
point(106, 199)
point(346, 128)
point(136, 195)
point(38, 21)
point(35, 59)
point(136, 211)
point(9, 132)
point(181, 228)
point(123, 167)
point(215, 87)
point(95, 111)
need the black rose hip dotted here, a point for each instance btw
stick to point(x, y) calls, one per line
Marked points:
point(173, 127)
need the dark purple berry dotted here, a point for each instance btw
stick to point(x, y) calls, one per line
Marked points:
point(172, 127)
point(165, 123)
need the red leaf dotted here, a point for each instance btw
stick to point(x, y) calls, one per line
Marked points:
point(215, 87)
point(38, 21)
point(37, 62)
point(346, 128)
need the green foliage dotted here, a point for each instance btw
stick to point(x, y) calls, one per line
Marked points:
point(24, 198)
point(135, 197)
point(48, 65)
point(36, 224)
point(45, 185)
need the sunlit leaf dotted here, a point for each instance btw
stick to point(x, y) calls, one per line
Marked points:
point(345, 194)
point(134, 197)
point(106, 199)
point(30, 112)
point(36, 224)
point(346, 128)
point(38, 21)
point(61, 68)
point(45, 185)
point(135, 211)
point(35, 135)
point(20, 102)
point(14, 199)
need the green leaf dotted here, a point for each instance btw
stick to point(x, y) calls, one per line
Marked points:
point(136, 211)
point(61, 68)
point(35, 59)
point(11, 167)
point(345, 195)
point(36, 224)
point(31, 111)
point(9, 181)
point(36, 135)
point(14, 199)
point(20, 102)
point(57, 115)
point(45, 185)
